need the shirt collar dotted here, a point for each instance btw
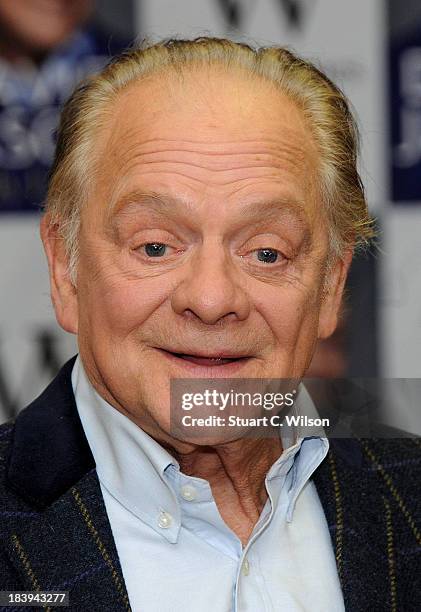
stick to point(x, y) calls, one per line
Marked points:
point(303, 453)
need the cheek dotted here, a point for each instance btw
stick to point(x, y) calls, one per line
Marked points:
point(118, 306)
point(291, 313)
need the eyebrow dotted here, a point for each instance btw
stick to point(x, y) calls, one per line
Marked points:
point(147, 199)
point(265, 211)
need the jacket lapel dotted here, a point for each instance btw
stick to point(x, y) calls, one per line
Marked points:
point(356, 507)
point(58, 536)
point(69, 547)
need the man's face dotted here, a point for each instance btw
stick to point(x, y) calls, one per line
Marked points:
point(203, 246)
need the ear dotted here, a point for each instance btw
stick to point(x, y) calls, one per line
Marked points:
point(332, 297)
point(63, 292)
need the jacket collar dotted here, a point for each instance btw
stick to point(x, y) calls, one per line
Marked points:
point(66, 540)
point(49, 452)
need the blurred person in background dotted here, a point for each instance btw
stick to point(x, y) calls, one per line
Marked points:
point(46, 48)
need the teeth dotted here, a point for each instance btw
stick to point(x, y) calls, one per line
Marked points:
point(207, 360)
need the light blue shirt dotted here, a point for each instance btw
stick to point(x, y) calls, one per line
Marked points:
point(176, 552)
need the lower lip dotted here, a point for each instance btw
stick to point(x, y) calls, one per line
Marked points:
point(207, 370)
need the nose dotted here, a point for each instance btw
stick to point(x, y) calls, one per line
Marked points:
point(210, 290)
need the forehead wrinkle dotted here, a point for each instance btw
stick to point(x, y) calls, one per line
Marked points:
point(226, 169)
point(230, 162)
point(126, 175)
point(211, 146)
point(214, 152)
point(132, 149)
point(136, 118)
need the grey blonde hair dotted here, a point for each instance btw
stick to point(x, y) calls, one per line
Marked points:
point(324, 106)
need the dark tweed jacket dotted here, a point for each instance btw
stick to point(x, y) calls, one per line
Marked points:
point(55, 534)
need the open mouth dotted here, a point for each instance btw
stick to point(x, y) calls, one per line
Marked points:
point(208, 361)
point(205, 361)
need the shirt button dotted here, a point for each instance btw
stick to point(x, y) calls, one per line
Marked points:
point(246, 567)
point(188, 493)
point(164, 520)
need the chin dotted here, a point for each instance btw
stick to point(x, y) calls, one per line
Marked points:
point(198, 437)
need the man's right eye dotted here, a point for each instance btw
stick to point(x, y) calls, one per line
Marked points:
point(155, 249)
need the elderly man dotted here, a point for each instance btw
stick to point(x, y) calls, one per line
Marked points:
point(202, 214)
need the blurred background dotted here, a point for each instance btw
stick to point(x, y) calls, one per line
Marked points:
point(371, 49)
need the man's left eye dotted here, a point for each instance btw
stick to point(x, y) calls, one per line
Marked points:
point(267, 255)
point(155, 249)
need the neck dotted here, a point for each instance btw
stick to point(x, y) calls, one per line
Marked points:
point(236, 472)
